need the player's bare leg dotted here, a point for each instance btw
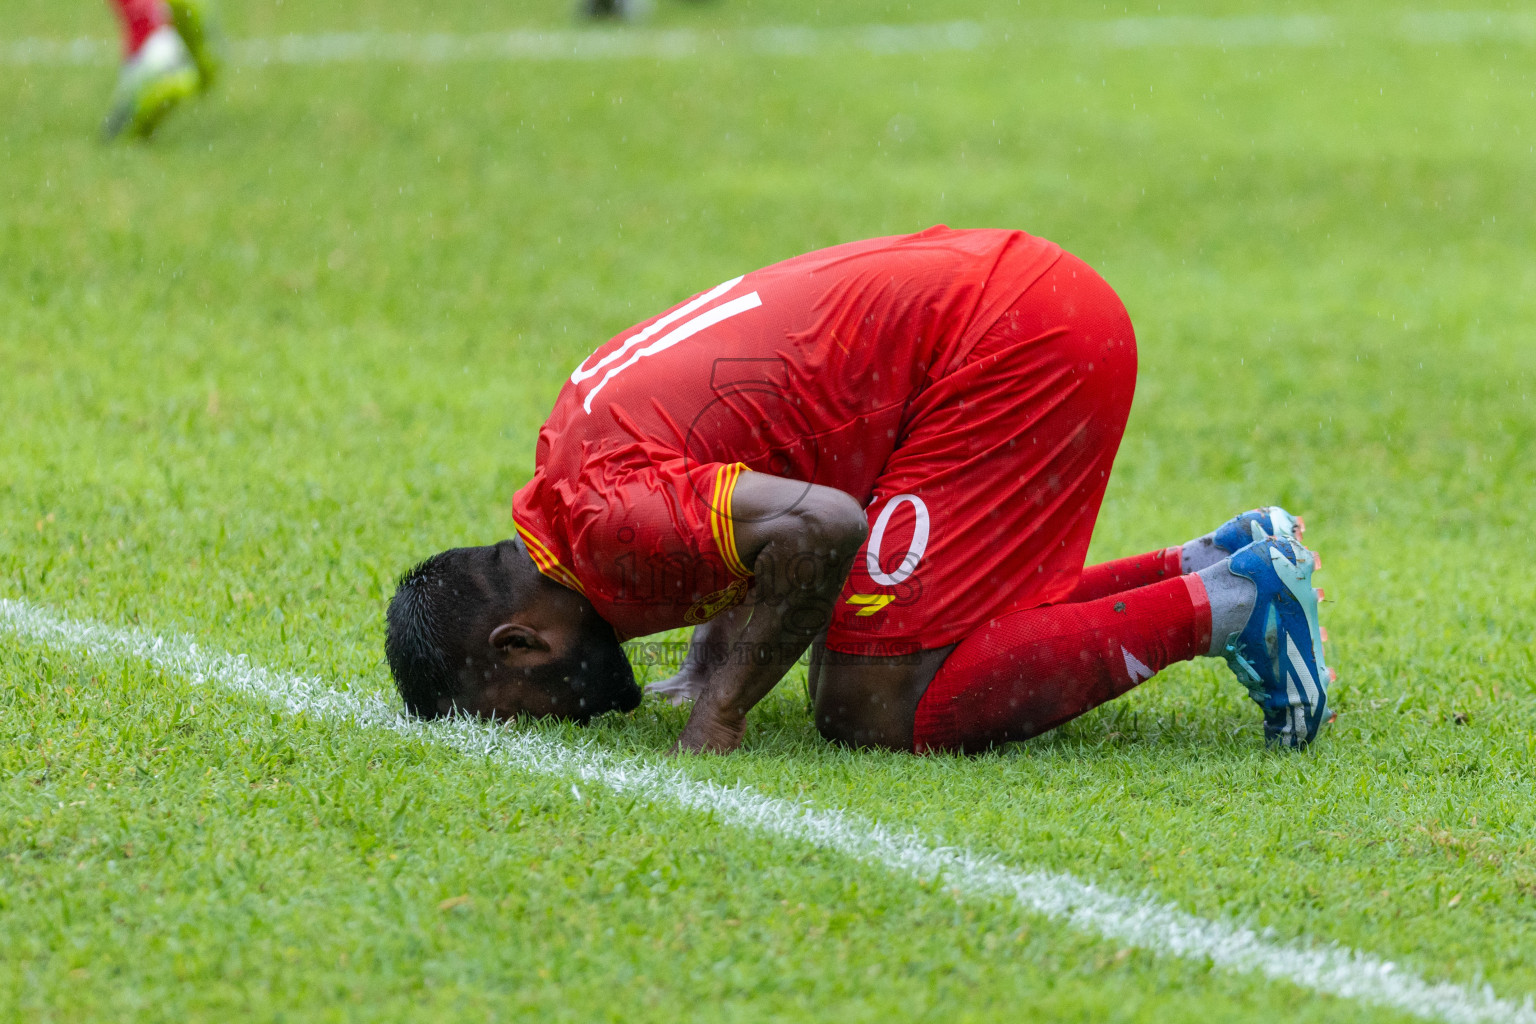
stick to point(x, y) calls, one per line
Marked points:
point(170, 54)
point(617, 10)
point(867, 701)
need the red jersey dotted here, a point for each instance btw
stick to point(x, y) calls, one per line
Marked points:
point(805, 369)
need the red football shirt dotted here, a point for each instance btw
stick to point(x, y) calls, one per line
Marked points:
point(803, 369)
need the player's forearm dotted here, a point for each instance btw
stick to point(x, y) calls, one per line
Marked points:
point(712, 642)
point(762, 654)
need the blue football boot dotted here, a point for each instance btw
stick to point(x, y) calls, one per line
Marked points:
point(1278, 655)
point(1270, 521)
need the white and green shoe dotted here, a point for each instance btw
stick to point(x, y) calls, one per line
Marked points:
point(198, 27)
point(154, 81)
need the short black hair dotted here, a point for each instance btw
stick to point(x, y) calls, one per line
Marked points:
point(436, 603)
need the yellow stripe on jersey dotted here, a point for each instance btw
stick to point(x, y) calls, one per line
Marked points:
point(547, 563)
point(730, 523)
point(721, 522)
point(714, 516)
point(872, 603)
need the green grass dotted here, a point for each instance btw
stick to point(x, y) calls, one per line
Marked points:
point(252, 371)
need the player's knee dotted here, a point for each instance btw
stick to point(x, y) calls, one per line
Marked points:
point(832, 716)
point(830, 726)
point(837, 725)
point(858, 716)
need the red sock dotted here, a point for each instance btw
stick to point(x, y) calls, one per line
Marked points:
point(1029, 671)
point(140, 18)
point(1108, 578)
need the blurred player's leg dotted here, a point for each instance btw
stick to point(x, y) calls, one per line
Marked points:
point(196, 24)
point(625, 10)
point(168, 58)
point(140, 19)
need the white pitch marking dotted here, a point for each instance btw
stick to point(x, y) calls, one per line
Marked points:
point(1440, 28)
point(1160, 928)
point(535, 45)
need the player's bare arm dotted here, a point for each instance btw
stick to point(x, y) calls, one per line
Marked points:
point(799, 543)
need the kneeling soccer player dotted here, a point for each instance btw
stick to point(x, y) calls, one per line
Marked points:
point(892, 452)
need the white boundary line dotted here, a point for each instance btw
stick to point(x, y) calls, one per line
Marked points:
point(1421, 27)
point(1157, 927)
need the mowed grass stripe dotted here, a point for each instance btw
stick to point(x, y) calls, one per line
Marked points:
point(1420, 27)
point(1157, 927)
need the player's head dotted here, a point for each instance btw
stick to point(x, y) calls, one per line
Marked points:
point(481, 630)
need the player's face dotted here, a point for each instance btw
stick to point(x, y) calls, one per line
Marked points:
point(588, 676)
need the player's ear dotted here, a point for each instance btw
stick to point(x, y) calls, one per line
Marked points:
point(511, 637)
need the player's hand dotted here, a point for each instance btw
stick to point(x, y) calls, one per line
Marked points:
point(675, 690)
point(711, 732)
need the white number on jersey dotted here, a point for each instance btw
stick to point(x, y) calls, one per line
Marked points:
point(915, 549)
point(684, 331)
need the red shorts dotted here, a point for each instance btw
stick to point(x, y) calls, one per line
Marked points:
point(989, 500)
